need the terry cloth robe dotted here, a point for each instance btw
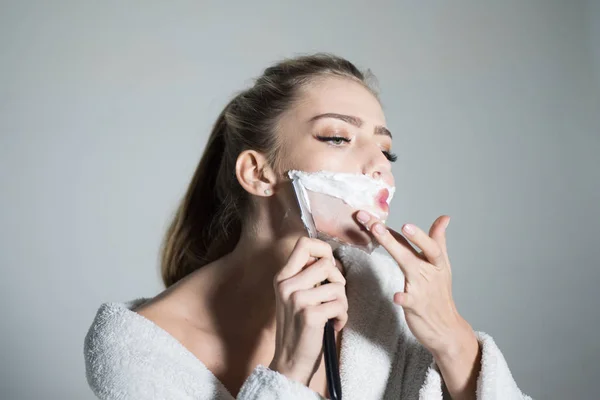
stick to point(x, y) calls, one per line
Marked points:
point(129, 357)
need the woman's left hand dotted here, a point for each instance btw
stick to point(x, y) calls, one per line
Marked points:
point(429, 308)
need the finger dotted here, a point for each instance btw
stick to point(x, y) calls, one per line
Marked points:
point(402, 240)
point(405, 257)
point(311, 276)
point(321, 294)
point(402, 252)
point(304, 249)
point(431, 248)
point(438, 233)
point(333, 309)
point(317, 273)
point(403, 299)
point(370, 220)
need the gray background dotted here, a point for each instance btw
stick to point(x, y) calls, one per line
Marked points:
point(105, 108)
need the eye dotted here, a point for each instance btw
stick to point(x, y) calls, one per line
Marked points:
point(390, 156)
point(335, 140)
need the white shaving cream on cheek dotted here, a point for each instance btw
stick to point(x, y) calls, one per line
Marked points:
point(357, 190)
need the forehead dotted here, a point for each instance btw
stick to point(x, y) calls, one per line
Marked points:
point(339, 95)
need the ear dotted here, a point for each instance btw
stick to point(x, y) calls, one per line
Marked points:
point(254, 174)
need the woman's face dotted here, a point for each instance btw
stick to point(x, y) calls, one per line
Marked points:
point(337, 125)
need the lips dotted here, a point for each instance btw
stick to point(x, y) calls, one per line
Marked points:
point(381, 200)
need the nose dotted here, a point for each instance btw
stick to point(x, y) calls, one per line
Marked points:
point(379, 168)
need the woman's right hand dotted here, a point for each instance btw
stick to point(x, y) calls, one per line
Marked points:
point(303, 309)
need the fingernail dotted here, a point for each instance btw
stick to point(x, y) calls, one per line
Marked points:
point(410, 229)
point(363, 217)
point(379, 229)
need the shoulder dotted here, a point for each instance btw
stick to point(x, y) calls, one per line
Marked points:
point(113, 326)
point(127, 355)
point(113, 317)
point(109, 346)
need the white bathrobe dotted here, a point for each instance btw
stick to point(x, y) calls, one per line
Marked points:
point(129, 357)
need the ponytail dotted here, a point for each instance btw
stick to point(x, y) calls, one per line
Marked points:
point(202, 230)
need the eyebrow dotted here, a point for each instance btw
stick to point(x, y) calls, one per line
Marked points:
point(379, 130)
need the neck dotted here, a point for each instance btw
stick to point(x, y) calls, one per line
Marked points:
point(243, 296)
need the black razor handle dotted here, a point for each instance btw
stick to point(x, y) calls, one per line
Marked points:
point(331, 362)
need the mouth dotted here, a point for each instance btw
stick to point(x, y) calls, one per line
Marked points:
point(381, 200)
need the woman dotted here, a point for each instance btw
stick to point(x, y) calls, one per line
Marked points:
point(243, 314)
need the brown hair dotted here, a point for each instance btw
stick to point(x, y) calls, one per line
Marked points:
point(208, 222)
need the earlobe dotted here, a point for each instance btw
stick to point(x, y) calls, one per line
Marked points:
point(254, 174)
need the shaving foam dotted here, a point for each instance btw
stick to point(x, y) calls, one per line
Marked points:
point(357, 190)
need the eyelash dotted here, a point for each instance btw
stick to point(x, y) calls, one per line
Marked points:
point(390, 156)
